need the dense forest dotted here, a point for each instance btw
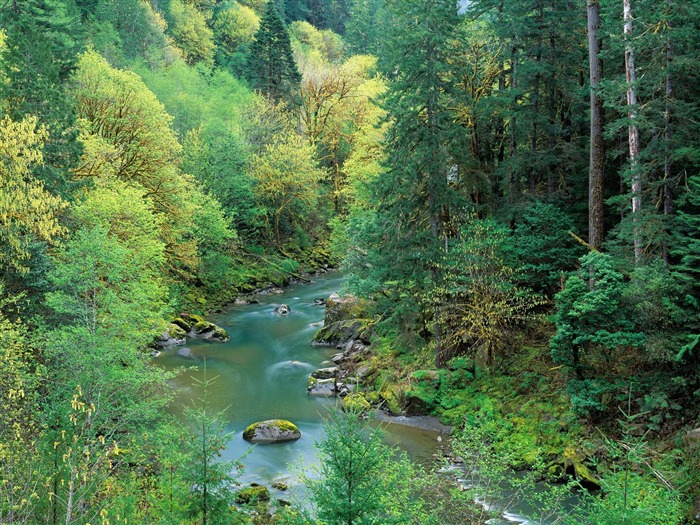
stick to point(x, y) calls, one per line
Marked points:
point(511, 188)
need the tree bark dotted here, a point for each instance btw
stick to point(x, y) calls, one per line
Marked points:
point(597, 153)
point(633, 129)
point(667, 196)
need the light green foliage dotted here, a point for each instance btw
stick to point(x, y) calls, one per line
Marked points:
point(130, 138)
point(107, 286)
point(110, 298)
point(27, 209)
point(191, 33)
point(235, 26)
point(213, 102)
point(286, 181)
point(310, 43)
point(478, 300)
point(20, 377)
point(361, 481)
point(337, 111)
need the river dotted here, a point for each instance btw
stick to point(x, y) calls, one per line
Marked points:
point(261, 373)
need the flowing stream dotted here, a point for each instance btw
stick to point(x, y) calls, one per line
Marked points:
point(261, 374)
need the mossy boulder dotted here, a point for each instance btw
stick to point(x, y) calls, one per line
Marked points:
point(196, 326)
point(343, 308)
point(252, 494)
point(321, 387)
point(271, 431)
point(325, 373)
point(280, 485)
point(182, 323)
point(573, 459)
point(356, 403)
point(172, 336)
point(341, 332)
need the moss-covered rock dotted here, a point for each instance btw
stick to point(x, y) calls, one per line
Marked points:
point(252, 495)
point(321, 387)
point(325, 373)
point(355, 402)
point(280, 485)
point(271, 431)
point(201, 328)
point(344, 308)
point(573, 458)
point(342, 332)
point(183, 324)
point(176, 332)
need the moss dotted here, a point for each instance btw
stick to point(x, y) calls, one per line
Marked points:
point(311, 382)
point(283, 424)
point(280, 485)
point(356, 402)
point(185, 325)
point(176, 331)
point(220, 333)
point(252, 495)
point(574, 457)
point(203, 326)
point(393, 397)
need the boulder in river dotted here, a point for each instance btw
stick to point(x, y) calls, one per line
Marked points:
point(173, 335)
point(252, 494)
point(271, 431)
point(283, 309)
point(325, 373)
point(196, 326)
point(321, 387)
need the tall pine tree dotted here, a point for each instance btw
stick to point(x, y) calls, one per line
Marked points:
point(271, 67)
point(416, 199)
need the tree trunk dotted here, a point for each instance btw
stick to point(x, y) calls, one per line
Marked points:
point(597, 154)
point(633, 129)
point(667, 196)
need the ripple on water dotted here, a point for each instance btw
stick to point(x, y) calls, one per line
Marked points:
point(288, 368)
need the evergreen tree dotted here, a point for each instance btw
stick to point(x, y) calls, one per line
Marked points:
point(361, 482)
point(271, 67)
point(416, 202)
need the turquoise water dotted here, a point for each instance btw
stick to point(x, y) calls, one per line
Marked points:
point(261, 374)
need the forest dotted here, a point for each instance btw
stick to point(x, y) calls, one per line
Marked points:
point(510, 188)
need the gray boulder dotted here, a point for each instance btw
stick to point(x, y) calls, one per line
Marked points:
point(271, 431)
point(321, 387)
point(283, 309)
point(325, 373)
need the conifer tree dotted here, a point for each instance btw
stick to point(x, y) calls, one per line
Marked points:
point(271, 67)
point(416, 200)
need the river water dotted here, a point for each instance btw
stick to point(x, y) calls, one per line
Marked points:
point(261, 374)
